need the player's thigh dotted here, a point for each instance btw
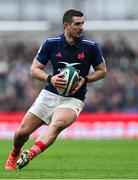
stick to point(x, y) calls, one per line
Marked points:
point(30, 123)
point(63, 117)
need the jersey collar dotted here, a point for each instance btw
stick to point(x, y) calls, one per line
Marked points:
point(67, 45)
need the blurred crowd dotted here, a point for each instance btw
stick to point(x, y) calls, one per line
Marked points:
point(118, 92)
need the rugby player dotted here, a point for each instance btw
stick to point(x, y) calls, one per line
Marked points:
point(50, 108)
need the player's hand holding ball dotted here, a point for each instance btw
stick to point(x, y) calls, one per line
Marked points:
point(78, 85)
point(58, 81)
point(71, 77)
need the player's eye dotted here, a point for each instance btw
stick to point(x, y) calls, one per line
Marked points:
point(77, 24)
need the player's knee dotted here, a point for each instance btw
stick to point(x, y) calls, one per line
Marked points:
point(21, 133)
point(59, 125)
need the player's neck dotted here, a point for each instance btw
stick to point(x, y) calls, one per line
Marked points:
point(69, 38)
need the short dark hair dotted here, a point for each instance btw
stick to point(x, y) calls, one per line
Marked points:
point(67, 17)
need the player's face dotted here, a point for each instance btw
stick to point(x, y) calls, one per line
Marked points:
point(75, 28)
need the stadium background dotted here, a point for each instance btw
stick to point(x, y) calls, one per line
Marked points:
point(112, 103)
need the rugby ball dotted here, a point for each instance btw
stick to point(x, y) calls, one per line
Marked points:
point(71, 75)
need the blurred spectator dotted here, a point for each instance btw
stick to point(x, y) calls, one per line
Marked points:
point(117, 92)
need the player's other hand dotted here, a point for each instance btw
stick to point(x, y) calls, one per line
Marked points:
point(79, 85)
point(58, 81)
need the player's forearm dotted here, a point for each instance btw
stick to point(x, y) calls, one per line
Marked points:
point(96, 75)
point(39, 74)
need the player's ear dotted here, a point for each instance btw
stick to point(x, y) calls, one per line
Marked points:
point(65, 25)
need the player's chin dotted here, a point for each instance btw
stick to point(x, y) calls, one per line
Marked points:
point(77, 36)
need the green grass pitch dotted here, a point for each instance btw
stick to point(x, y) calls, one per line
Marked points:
point(78, 159)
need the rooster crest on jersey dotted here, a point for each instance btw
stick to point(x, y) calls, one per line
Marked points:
point(71, 75)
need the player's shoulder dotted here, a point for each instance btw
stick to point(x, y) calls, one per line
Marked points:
point(89, 42)
point(50, 42)
point(54, 38)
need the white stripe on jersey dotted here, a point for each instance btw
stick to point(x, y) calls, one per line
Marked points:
point(40, 48)
point(85, 40)
point(54, 38)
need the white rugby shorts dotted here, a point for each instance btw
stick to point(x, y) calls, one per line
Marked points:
point(47, 102)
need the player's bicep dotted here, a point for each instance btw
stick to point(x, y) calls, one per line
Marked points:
point(37, 64)
point(101, 66)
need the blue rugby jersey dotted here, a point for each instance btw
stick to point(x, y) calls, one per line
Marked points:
point(82, 55)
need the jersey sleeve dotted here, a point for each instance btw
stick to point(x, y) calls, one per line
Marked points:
point(43, 54)
point(96, 55)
